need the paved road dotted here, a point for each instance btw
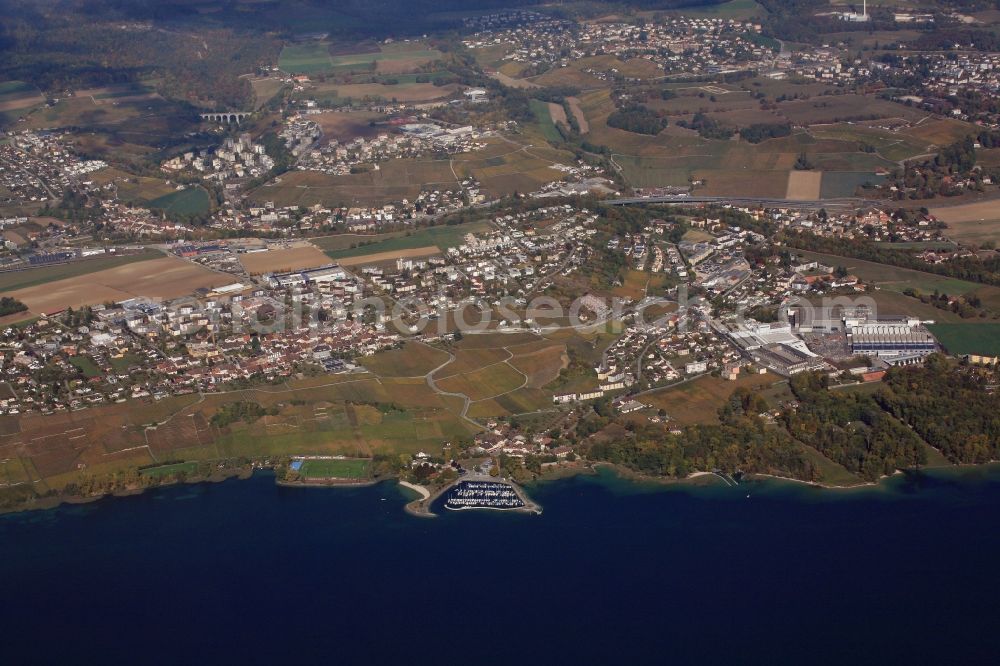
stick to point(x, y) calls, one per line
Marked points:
point(759, 201)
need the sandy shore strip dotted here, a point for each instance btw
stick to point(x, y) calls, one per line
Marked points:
point(420, 507)
point(423, 492)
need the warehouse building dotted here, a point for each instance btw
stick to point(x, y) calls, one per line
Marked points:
point(890, 339)
point(786, 360)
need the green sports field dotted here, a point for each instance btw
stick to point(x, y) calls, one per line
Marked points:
point(336, 468)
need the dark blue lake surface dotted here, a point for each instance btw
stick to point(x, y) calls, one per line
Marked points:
point(245, 571)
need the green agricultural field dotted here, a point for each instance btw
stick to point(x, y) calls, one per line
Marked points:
point(16, 99)
point(336, 468)
point(349, 241)
point(444, 237)
point(307, 58)
point(960, 339)
point(654, 171)
point(893, 146)
point(415, 359)
point(488, 382)
point(31, 277)
point(175, 469)
point(190, 201)
point(734, 9)
point(403, 54)
point(9, 88)
point(544, 120)
point(837, 184)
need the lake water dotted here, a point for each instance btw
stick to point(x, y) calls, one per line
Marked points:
point(612, 572)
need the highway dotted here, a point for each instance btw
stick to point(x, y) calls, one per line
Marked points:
point(752, 201)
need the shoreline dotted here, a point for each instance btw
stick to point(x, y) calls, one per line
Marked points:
point(420, 507)
point(328, 483)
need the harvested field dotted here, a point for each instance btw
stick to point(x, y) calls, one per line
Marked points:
point(347, 126)
point(490, 340)
point(837, 108)
point(941, 132)
point(390, 255)
point(542, 366)
point(513, 83)
point(729, 182)
point(265, 89)
point(581, 119)
point(558, 114)
point(14, 280)
point(804, 185)
point(169, 277)
point(971, 222)
point(292, 258)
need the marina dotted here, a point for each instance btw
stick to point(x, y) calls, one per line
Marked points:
point(471, 492)
point(483, 495)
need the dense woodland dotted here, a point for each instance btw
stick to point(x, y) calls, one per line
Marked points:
point(637, 118)
point(10, 305)
point(199, 66)
point(950, 409)
point(851, 429)
point(742, 443)
point(871, 435)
